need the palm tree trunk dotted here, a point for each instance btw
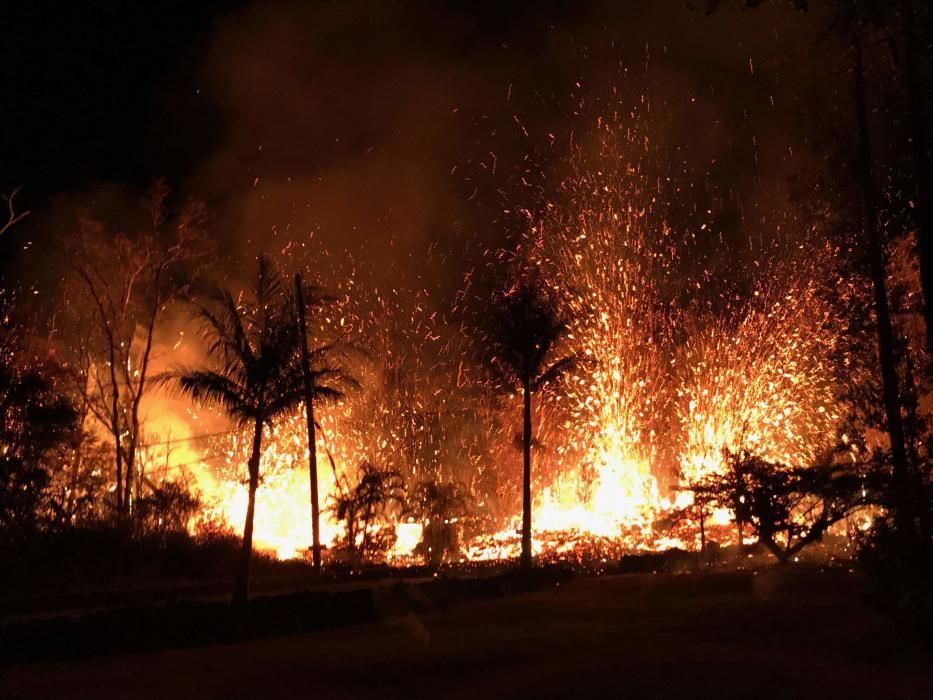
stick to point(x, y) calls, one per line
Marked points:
point(364, 546)
point(351, 539)
point(885, 329)
point(526, 479)
point(241, 587)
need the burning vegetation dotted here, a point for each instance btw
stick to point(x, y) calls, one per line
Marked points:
point(614, 376)
point(646, 375)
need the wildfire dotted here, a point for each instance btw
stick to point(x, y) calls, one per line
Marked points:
point(680, 367)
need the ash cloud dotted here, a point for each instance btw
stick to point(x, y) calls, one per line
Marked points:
point(375, 126)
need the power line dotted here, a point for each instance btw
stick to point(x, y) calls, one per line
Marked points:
point(202, 436)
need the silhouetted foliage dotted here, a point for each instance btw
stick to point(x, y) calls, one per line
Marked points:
point(167, 509)
point(366, 507)
point(119, 288)
point(892, 117)
point(440, 507)
point(77, 495)
point(36, 419)
point(256, 374)
point(901, 561)
point(787, 508)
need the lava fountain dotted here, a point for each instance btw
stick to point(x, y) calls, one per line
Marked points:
point(683, 363)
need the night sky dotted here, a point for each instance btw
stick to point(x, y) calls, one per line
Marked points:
point(94, 91)
point(110, 90)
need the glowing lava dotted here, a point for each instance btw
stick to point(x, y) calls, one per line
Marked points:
point(680, 366)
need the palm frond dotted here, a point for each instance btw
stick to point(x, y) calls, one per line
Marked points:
point(524, 330)
point(254, 345)
point(206, 386)
point(268, 285)
point(556, 372)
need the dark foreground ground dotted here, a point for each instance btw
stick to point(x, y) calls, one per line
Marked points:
point(803, 635)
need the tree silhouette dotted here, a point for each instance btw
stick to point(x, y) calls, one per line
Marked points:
point(525, 331)
point(36, 419)
point(787, 508)
point(439, 505)
point(13, 217)
point(119, 288)
point(256, 375)
point(904, 27)
point(366, 504)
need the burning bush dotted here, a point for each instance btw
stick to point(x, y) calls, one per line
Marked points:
point(439, 506)
point(786, 508)
point(167, 509)
point(366, 511)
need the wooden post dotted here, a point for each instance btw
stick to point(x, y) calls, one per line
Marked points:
point(309, 413)
point(526, 556)
point(702, 532)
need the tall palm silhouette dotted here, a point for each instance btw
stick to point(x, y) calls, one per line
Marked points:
point(256, 375)
point(523, 337)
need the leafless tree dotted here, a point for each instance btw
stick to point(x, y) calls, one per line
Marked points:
point(121, 285)
point(13, 217)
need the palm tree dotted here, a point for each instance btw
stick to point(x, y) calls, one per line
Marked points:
point(368, 504)
point(523, 338)
point(256, 375)
point(439, 505)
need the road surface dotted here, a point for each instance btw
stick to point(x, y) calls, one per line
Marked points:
point(689, 636)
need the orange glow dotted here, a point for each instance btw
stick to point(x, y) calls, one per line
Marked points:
point(679, 367)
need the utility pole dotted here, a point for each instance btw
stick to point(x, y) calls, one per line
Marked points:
point(309, 414)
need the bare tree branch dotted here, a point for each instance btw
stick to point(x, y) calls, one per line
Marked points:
point(12, 217)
